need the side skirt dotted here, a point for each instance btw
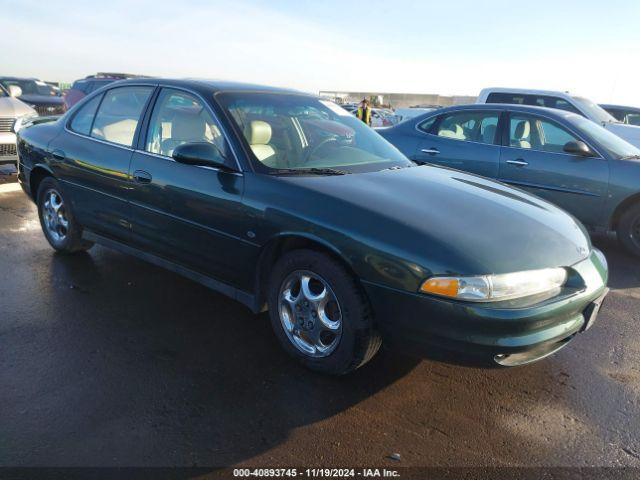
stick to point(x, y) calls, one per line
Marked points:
point(240, 295)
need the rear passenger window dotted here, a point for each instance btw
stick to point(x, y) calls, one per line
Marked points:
point(119, 114)
point(427, 124)
point(479, 127)
point(82, 120)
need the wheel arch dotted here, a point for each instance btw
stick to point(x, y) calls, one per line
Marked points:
point(284, 243)
point(621, 208)
point(38, 173)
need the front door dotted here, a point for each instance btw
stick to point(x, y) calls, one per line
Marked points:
point(464, 140)
point(190, 215)
point(533, 158)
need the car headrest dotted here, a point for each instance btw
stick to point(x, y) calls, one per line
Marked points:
point(258, 132)
point(489, 134)
point(187, 126)
point(523, 129)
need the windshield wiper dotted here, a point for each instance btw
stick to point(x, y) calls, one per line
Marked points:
point(630, 157)
point(308, 171)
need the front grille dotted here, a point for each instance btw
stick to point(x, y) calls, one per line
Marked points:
point(8, 150)
point(45, 110)
point(6, 124)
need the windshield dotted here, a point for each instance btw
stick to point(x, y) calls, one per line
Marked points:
point(3, 92)
point(616, 146)
point(31, 87)
point(594, 111)
point(289, 132)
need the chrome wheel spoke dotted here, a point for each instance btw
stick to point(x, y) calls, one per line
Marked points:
point(54, 216)
point(310, 313)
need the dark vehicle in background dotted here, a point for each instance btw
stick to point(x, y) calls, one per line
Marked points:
point(287, 202)
point(83, 87)
point(557, 155)
point(628, 115)
point(39, 95)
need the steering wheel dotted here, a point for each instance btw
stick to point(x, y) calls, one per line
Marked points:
point(320, 145)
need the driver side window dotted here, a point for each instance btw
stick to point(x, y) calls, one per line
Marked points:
point(179, 117)
point(535, 133)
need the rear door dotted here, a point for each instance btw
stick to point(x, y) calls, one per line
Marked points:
point(533, 158)
point(464, 139)
point(94, 151)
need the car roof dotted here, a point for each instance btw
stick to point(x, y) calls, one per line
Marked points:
point(549, 112)
point(524, 91)
point(214, 86)
point(19, 78)
point(623, 107)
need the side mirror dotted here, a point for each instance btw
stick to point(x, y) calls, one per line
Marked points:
point(15, 91)
point(578, 148)
point(200, 153)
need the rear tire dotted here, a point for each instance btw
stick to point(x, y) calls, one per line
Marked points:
point(58, 223)
point(628, 231)
point(345, 337)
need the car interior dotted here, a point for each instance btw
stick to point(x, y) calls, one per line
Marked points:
point(472, 128)
point(118, 115)
point(535, 134)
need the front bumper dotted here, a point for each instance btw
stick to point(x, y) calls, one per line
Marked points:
point(481, 333)
point(8, 151)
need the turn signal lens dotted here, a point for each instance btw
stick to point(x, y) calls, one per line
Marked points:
point(492, 288)
point(441, 286)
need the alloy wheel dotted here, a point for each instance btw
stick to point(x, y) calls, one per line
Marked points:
point(54, 215)
point(310, 313)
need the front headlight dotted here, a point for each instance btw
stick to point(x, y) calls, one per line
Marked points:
point(23, 121)
point(494, 288)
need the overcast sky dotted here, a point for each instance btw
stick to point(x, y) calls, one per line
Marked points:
point(588, 47)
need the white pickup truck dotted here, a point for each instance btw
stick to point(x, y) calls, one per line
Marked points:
point(563, 101)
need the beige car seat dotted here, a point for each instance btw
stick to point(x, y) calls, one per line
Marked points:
point(522, 135)
point(258, 134)
point(452, 131)
point(489, 134)
point(186, 127)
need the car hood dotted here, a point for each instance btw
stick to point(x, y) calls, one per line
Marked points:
point(42, 99)
point(446, 221)
point(630, 133)
point(12, 107)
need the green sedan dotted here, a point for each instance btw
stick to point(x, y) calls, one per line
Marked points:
point(287, 203)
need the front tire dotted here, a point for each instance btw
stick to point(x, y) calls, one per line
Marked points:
point(58, 223)
point(320, 314)
point(628, 231)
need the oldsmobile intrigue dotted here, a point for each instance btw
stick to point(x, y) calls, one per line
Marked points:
point(287, 202)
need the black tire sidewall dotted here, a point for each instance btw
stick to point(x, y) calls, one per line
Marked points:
point(356, 321)
point(625, 225)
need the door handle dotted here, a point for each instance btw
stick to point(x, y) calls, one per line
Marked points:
point(518, 163)
point(431, 151)
point(141, 176)
point(58, 155)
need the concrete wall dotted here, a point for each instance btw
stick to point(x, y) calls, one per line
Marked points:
point(399, 100)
